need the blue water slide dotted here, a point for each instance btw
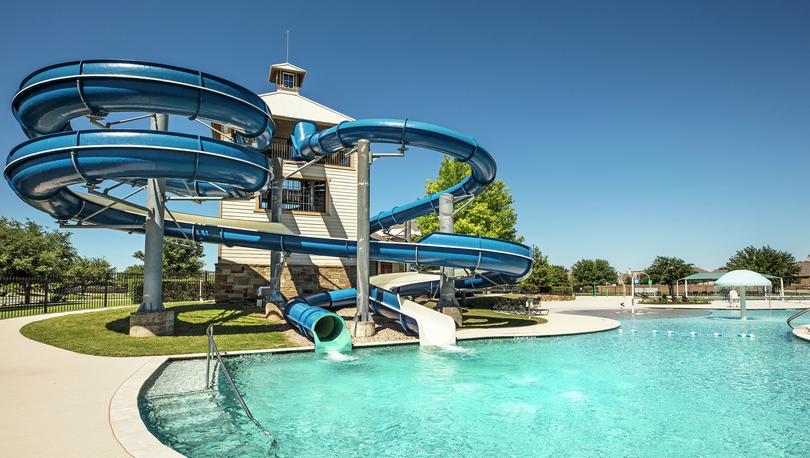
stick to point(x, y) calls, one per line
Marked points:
point(326, 329)
point(44, 170)
point(308, 144)
point(381, 301)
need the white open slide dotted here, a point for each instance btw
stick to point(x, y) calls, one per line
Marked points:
point(434, 328)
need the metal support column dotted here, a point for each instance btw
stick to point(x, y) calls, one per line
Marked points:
point(276, 196)
point(363, 325)
point(152, 319)
point(153, 246)
point(447, 298)
point(408, 236)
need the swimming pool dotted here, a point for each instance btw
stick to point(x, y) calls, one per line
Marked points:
point(692, 388)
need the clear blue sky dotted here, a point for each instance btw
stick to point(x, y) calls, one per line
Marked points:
point(619, 126)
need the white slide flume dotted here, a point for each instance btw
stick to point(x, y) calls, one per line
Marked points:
point(434, 328)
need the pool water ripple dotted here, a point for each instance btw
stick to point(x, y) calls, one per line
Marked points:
point(699, 390)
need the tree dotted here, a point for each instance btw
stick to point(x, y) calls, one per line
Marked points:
point(491, 214)
point(89, 271)
point(29, 250)
point(664, 270)
point(544, 275)
point(766, 260)
point(592, 272)
point(179, 258)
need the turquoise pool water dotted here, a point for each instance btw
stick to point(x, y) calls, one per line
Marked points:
point(699, 390)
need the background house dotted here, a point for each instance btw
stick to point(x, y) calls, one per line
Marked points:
point(804, 273)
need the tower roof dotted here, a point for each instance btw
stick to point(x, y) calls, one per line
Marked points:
point(294, 106)
point(286, 102)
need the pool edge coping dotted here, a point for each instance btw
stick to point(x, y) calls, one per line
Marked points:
point(124, 414)
point(802, 332)
point(132, 434)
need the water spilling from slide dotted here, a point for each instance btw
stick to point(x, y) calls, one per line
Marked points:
point(338, 357)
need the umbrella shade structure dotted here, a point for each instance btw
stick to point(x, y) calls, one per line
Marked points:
point(742, 279)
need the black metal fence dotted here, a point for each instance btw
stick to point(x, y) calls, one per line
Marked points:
point(20, 296)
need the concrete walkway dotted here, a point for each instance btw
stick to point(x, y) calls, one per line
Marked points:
point(55, 402)
point(559, 324)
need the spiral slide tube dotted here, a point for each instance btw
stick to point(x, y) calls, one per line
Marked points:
point(42, 170)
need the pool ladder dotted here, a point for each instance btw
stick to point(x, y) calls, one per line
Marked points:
point(796, 315)
point(213, 354)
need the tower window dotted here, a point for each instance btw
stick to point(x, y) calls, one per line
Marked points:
point(288, 80)
point(300, 195)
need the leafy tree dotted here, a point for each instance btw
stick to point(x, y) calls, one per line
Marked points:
point(30, 250)
point(491, 214)
point(179, 258)
point(593, 272)
point(544, 275)
point(89, 271)
point(665, 270)
point(766, 260)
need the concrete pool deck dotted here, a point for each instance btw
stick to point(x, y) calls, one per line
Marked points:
point(54, 401)
point(559, 324)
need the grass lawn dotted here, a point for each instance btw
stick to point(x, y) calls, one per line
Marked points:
point(478, 314)
point(106, 333)
point(487, 319)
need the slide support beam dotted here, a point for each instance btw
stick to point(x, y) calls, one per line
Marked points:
point(364, 326)
point(408, 230)
point(275, 299)
point(447, 298)
point(152, 319)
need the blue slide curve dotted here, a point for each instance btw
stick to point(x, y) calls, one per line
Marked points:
point(42, 170)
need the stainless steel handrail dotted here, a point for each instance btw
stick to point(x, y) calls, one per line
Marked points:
point(213, 352)
point(796, 315)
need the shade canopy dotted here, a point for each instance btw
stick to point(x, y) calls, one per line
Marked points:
point(742, 278)
point(712, 276)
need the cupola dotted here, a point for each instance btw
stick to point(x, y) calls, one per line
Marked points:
point(287, 77)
